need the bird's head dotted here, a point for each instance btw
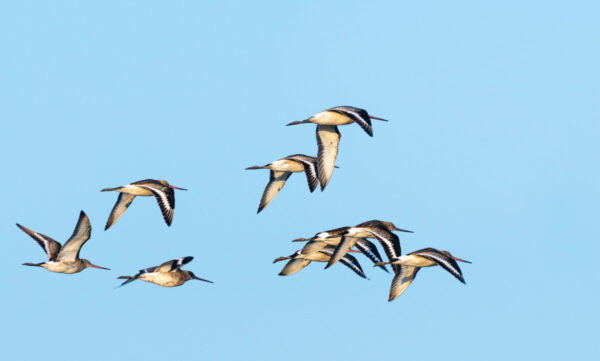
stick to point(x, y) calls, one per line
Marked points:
point(454, 258)
point(166, 184)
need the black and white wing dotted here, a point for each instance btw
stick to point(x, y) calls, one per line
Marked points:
point(443, 260)
point(348, 260)
point(276, 181)
point(341, 250)
point(328, 140)
point(359, 116)
point(123, 202)
point(165, 197)
point(50, 246)
point(82, 232)
point(173, 264)
point(369, 249)
point(310, 169)
point(389, 241)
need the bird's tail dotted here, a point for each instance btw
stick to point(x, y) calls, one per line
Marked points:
point(128, 278)
point(299, 122)
point(257, 167)
point(109, 189)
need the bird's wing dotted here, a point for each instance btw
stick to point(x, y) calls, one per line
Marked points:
point(328, 139)
point(173, 264)
point(312, 247)
point(165, 197)
point(402, 279)
point(276, 182)
point(444, 261)
point(348, 260)
point(359, 116)
point(310, 169)
point(388, 240)
point(123, 202)
point(50, 246)
point(82, 232)
point(293, 266)
point(369, 249)
point(341, 249)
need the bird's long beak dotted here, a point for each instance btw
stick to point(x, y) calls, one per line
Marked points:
point(300, 122)
point(201, 279)
point(94, 266)
point(182, 189)
point(378, 264)
point(460, 260)
point(300, 240)
point(255, 167)
point(354, 251)
point(372, 117)
point(402, 230)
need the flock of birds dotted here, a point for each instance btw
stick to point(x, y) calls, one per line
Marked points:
point(328, 246)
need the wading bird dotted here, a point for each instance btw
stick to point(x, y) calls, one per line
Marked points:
point(64, 259)
point(408, 266)
point(160, 189)
point(168, 274)
point(282, 169)
point(328, 135)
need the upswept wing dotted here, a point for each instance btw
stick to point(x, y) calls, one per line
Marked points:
point(70, 251)
point(173, 264)
point(369, 249)
point(50, 246)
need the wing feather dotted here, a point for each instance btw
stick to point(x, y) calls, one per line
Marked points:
point(123, 202)
point(50, 246)
point(328, 139)
point(402, 279)
point(276, 182)
point(165, 197)
point(82, 232)
point(444, 261)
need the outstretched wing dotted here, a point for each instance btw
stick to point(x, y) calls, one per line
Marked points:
point(50, 246)
point(173, 264)
point(123, 202)
point(328, 139)
point(441, 259)
point(82, 232)
point(389, 241)
point(165, 197)
point(276, 182)
point(348, 260)
point(293, 266)
point(369, 249)
point(402, 279)
point(359, 116)
point(310, 169)
point(341, 250)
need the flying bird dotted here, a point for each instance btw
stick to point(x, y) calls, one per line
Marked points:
point(408, 266)
point(333, 237)
point(282, 169)
point(162, 190)
point(64, 259)
point(328, 135)
point(380, 230)
point(305, 256)
point(168, 274)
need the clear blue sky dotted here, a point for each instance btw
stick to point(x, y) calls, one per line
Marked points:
point(491, 152)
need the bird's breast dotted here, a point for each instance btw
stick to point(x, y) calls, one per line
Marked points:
point(165, 279)
point(286, 165)
point(63, 267)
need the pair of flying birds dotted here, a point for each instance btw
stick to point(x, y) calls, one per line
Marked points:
point(334, 245)
point(65, 258)
point(317, 169)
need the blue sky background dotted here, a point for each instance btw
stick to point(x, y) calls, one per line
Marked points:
point(491, 152)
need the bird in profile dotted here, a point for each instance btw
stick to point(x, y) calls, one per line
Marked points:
point(380, 230)
point(328, 135)
point(333, 237)
point(306, 255)
point(282, 169)
point(408, 266)
point(64, 259)
point(168, 274)
point(162, 190)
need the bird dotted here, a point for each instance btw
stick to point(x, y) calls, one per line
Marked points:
point(333, 238)
point(168, 274)
point(162, 190)
point(64, 259)
point(305, 256)
point(328, 135)
point(408, 266)
point(282, 169)
point(380, 230)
